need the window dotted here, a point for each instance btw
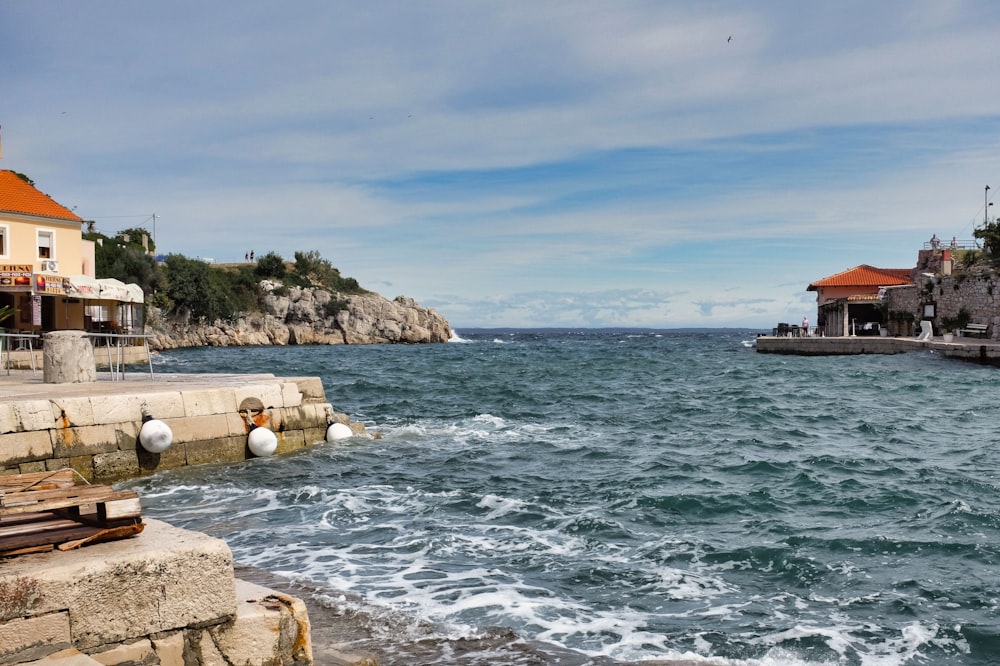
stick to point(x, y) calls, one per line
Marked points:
point(4, 241)
point(46, 244)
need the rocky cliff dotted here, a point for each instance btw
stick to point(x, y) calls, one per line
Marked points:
point(305, 317)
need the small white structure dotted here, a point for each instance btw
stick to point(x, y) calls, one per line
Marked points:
point(926, 330)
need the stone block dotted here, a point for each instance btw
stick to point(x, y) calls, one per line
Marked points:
point(84, 466)
point(138, 652)
point(115, 466)
point(204, 402)
point(311, 388)
point(34, 637)
point(115, 408)
point(53, 464)
point(9, 422)
point(291, 396)
point(32, 467)
point(237, 425)
point(314, 436)
point(33, 414)
point(226, 449)
point(170, 649)
point(163, 580)
point(68, 412)
point(166, 405)
point(290, 440)
point(175, 456)
point(199, 428)
point(268, 394)
point(18, 447)
point(67, 657)
point(67, 442)
point(268, 628)
point(304, 416)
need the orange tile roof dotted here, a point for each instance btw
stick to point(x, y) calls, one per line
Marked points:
point(17, 196)
point(865, 276)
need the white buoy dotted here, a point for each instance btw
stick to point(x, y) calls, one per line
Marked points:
point(338, 431)
point(262, 442)
point(155, 436)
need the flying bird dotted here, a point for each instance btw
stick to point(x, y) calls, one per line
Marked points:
point(730, 39)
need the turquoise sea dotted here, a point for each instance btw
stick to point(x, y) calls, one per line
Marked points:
point(606, 497)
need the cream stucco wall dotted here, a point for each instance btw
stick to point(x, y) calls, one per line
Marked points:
point(21, 243)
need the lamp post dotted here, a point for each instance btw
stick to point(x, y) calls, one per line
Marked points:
point(986, 205)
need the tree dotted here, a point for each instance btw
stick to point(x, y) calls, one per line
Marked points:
point(990, 235)
point(125, 261)
point(271, 265)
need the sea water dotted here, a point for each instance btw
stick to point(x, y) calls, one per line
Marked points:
point(601, 497)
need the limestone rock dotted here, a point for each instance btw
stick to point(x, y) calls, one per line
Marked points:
point(306, 316)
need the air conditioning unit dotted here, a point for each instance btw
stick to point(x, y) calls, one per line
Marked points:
point(50, 266)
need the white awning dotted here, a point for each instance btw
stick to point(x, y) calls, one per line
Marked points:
point(113, 290)
point(84, 286)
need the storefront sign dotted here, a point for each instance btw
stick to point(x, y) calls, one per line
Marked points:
point(15, 277)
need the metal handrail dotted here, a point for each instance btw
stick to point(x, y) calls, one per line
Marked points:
point(119, 341)
point(21, 338)
point(951, 245)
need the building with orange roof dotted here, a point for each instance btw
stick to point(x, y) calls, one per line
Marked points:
point(849, 302)
point(46, 267)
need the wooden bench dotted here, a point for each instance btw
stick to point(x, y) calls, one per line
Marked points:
point(978, 330)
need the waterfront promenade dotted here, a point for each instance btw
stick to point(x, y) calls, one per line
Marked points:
point(976, 350)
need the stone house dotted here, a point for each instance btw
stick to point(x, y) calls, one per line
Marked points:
point(850, 301)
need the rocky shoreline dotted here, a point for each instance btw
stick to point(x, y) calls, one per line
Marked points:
point(306, 316)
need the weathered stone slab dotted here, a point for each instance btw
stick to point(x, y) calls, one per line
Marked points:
point(137, 652)
point(227, 449)
point(72, 411)
point(170, 649)
point(269, 394)
point(291, 396)
point(115, 466)
point(88, 440)
point(289, 441)
point(33, 637)
point(204, 402)
point(163, 580)
point(19, 447)
point(311, 388)
point(197, 428)
point(31, 467)
point(33, 414)
point(67, 657)
point(9, 421)
point(268, 626)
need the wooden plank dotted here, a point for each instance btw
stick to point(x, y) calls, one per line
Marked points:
point(36, 527)
point(27, 551)
point(111, 534)
point(61, 478)
point(64, 502)
point(88, 493)
point(119, 509)
point(50, 537)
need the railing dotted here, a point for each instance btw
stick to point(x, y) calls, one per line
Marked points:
point(953, 244)
point(112, 344)
point(115, 345)
point(17, 342)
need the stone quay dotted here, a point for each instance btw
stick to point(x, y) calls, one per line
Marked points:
point(166, 596)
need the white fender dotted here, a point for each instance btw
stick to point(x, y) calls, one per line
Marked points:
point(262, 442)
point(338, 431)
point(155, 436)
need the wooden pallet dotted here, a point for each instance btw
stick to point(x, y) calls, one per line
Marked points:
point(39, 512)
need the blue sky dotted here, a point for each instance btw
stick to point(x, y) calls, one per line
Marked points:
point(544, 163)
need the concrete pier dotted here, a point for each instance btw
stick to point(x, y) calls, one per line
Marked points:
point(983, 351)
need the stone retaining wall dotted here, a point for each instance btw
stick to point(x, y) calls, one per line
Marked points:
point(166, 597)
point(96, 434)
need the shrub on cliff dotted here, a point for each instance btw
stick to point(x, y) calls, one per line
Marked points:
point(312, 270)
point(206, 293)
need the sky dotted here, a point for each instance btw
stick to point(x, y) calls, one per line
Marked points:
point(552, 163)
